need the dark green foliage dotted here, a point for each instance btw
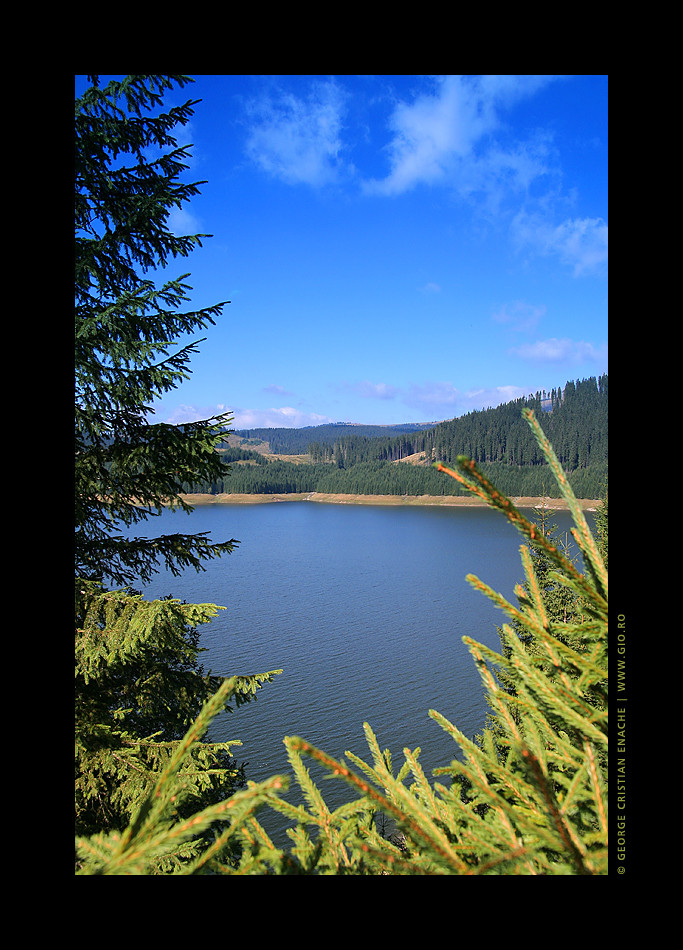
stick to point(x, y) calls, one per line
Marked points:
point(138, 681)
point(269, 477)
point(388, 478)
point(139, 685)
point(283, 441)
point(127, 468)
point(577, 428)
point(159, 839)
point(231, 454)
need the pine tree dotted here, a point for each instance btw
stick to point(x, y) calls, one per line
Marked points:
point(126, 467)
point(138, 681)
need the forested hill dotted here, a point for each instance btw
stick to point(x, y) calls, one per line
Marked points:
point(346, 459)
point(574, 418)
point(298, 441)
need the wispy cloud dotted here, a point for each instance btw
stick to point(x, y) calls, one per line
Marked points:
point(519, 316)
point(181, 222)
point(369, 390)
point(187, 413)
point(562, 350)
point(445, 136)
point(443, 400)
point(277, 390)
point(284, 417)
point(439, 399)
point(579, 243)
point(434, 401)
point(453, 133)
point(491, 396)
point(432, 395)
point(430, 288)
point(298, 139)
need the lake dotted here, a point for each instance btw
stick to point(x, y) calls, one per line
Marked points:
point(364, 608)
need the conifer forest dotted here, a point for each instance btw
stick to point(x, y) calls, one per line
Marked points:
point(344, 460)
point(153, 796)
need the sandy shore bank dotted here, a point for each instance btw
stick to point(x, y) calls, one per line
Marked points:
point(457, 501)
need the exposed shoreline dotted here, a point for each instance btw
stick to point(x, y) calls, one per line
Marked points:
point(445, 501)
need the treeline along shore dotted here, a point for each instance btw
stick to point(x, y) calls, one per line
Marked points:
point(395, 465)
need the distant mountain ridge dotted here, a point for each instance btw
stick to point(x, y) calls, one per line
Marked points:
point(351, 459)
point(574, 416)
point(296, 441)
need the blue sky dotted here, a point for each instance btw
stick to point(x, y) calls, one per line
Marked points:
point(395, 248)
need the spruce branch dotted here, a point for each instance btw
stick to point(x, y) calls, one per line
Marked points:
point(414, 820)
point(151, 833)
point(581, 531)
point(569, 840)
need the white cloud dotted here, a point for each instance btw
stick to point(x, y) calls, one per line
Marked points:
point(369, 390)
point(435, 136)
point(440, 400)
point(187, 413)
point(445, 401)
point(181, 222)
point(284, 417)
point(561, 350)
point(501, 173)
point(298, 140)
point(491, 396)
point(428, 134)
point(580, 243)
point(432, 394)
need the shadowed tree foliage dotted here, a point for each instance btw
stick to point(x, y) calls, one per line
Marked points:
point(127, 181)
point(138, 681)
